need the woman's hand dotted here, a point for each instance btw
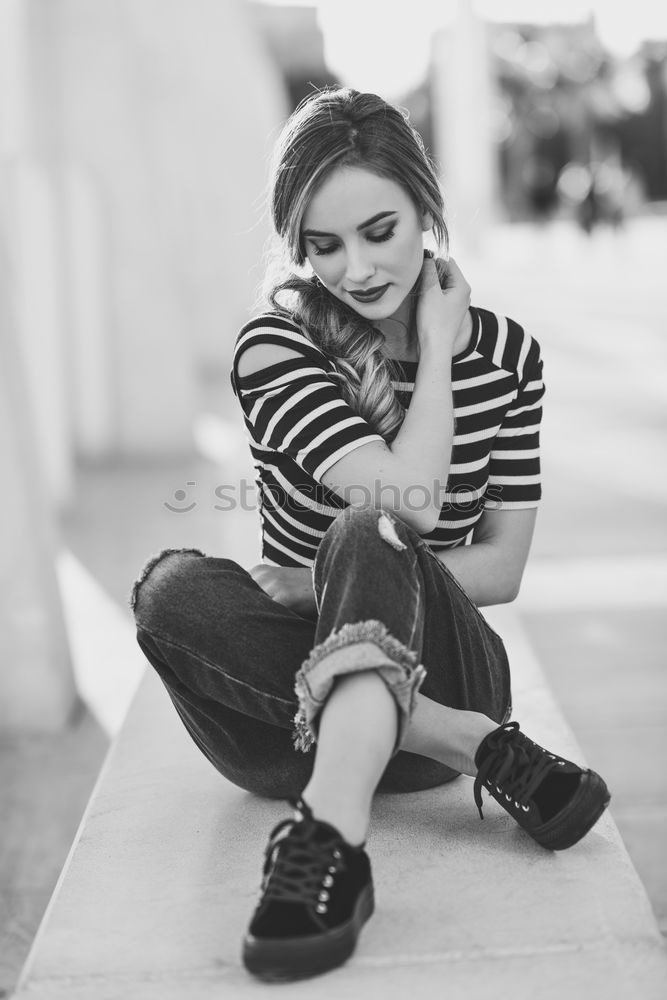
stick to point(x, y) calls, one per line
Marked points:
point(288, 585)
point(442, 307)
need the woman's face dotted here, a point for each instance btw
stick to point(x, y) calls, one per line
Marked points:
point(362, 233)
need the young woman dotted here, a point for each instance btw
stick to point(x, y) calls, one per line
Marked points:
point(395, 432)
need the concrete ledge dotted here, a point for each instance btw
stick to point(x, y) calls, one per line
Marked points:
point(161, 881)
point(107, 671)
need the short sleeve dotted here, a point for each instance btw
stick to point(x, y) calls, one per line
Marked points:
point(295, 407)
point(514, 468)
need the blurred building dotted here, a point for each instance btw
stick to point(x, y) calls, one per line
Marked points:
point(293, 37)
point(134, 141)
point(462, 92)
point(134, 170)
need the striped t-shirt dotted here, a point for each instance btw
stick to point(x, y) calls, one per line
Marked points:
point(299, 425)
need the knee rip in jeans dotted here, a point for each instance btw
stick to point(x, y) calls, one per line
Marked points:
point(387, 531)
point(150, 566)
point(385, 521)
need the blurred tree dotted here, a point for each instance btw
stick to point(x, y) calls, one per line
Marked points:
point(563, 99)
point(642, 133)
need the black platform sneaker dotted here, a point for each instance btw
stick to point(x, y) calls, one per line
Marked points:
point(316, 895)
point(554, 800)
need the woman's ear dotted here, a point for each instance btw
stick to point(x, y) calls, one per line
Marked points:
point(427, 221)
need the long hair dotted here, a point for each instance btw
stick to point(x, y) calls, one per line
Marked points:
point(341, 127)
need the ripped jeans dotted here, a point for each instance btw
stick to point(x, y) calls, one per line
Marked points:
point(249, 676)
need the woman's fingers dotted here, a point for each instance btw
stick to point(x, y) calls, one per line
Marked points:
point(429, 274)
point(454, 277)
point(444, 298)
point(445, 270)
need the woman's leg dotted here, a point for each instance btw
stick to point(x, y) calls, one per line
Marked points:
point(449, 735)
point(383, 601)
point(387, 604)
point(369, 559)
point(227, 654)
point(357, 734)
point(357, 693)
point(383, 605)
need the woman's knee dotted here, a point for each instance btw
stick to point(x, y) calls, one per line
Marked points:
point(374, 522)
point(175, 580)
point(162, 580)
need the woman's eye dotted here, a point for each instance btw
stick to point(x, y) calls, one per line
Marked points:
point(381, 237)
point(322, 250)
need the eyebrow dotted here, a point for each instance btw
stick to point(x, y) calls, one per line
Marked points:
point(363, 225)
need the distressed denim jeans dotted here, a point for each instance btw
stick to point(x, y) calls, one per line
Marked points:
point(249, 676)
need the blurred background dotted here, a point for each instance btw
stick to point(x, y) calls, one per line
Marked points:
point(134, 146)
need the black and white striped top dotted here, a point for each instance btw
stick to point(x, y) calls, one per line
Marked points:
point(299, 425)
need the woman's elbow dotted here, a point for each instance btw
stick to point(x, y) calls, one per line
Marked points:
point(509, 590)
point(425, 521)
point(421, 521)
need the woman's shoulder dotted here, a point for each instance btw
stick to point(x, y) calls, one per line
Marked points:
point(505, 342)
point(272, 341)
point(272, 327)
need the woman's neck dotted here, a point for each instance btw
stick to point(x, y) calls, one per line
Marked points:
point(400, 333)
point(402, 344)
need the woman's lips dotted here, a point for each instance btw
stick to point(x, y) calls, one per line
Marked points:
point(372, 295)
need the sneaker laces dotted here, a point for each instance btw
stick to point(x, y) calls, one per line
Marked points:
point(514, 764)
point(296, 863)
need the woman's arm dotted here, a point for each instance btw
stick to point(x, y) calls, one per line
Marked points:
point(491, 567)
point(288, 585)
point(408, 475)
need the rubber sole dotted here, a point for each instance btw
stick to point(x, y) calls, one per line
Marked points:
point(562, 832)
point(282, 960)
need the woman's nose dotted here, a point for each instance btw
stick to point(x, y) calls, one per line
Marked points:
point(359, 269)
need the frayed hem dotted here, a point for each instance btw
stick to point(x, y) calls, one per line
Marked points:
point(377, 650)
point(302, 736)
point(366, 631)
point(150, 566)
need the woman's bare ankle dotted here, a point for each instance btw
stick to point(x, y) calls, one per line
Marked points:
point(350, 822)
point(449, 735)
